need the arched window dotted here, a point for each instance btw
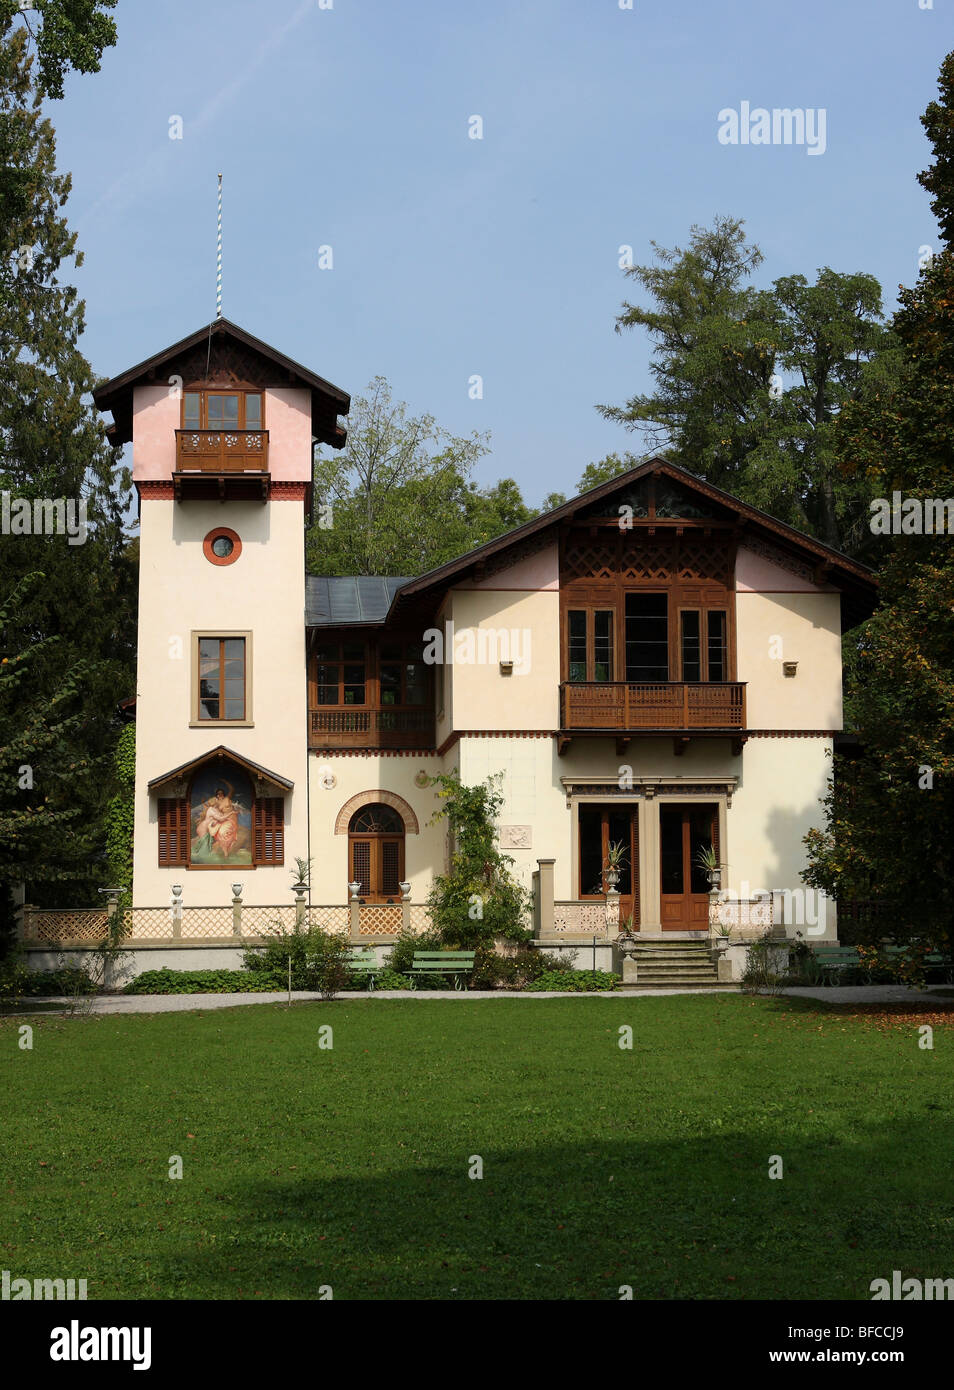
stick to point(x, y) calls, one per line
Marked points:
point(376, 853)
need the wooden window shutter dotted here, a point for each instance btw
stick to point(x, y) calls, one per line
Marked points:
point(390, 867)
point(173, 831)
point(268, 830)
point(361, 865)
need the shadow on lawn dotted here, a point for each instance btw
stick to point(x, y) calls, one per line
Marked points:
point(693, 1218)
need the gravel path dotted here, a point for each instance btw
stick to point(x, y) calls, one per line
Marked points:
point(179, 1003)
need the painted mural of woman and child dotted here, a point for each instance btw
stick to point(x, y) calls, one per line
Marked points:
point(221, 824)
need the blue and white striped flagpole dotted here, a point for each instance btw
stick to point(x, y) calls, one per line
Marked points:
point(218, 261)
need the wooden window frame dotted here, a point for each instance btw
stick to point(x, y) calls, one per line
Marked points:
point(209, 635)
point(589, 611)
point(703, 610)
point(204, 392)
point(373, 661)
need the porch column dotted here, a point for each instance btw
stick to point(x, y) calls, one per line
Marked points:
point(545, 897)
point(649, 909)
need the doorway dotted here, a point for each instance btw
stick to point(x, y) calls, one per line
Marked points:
point(684, 831)
point(600, 827)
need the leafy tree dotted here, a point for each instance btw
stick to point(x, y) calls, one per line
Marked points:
point(888, 814)
point(399, 497)
point(749, 383)
point(53, 446)
point(70, 34)
point(605, 470)
point(43, 839)
point(479, 899)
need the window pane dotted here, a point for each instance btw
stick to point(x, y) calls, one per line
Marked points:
point(390, 685)
point(647, 637)
point(354, 685)
point(670, 834)
point(326, 651)
point(415, 692)
point(700, 838)
point(253, 412)
point(691, 647)
point(235, 649)
point(190, 410)
point(235, 708)
point(591, 851)
point(620, 834)
point(576, 628)
point(327, 681)
point(603, 645)
point(354, 651)
point(718, 665)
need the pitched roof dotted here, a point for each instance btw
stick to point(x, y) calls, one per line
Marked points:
point(345, 600)
point(256, 769)
point(327, 401)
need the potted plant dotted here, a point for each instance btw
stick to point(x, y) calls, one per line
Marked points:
point(615, 860)
point(708, 860)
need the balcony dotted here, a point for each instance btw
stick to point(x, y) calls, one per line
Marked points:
point(625, 709)
point(371, 728)
point(222, 451)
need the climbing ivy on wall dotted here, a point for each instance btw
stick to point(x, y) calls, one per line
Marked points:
point(120, 812)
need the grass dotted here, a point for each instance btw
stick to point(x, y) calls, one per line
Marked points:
point(348, 1167)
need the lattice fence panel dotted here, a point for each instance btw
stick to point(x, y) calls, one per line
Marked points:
point(65, 924)
point(330, 918)
point(206, 923)
point(420, 918)
point(379, 919)
point(267, 921)
point(149, 924)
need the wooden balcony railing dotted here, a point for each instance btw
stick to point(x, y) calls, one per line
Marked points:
point(371, 728)
point(626, 705)
point(222, 451)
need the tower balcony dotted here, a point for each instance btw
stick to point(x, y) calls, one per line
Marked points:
point(222, 464)
point(222, 451)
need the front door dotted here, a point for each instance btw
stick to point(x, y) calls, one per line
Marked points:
point(601, 827)
point(684, 884)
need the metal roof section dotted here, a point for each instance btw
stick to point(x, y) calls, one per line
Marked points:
point(349, 600)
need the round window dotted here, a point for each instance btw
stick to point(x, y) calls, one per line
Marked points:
point(222, 546)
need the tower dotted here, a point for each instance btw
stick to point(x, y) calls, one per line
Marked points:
point(222, 428)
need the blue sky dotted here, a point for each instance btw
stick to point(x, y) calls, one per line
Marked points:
point(453, 257)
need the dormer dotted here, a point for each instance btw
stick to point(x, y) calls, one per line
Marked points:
point(221, 415)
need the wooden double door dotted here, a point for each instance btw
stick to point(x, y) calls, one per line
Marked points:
point(685, 830)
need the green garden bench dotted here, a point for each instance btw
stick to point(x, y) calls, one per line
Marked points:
point(831, 959)
point(364, 962)
point(456, 963)
point(834, 958)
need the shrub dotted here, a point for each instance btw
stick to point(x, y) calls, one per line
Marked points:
point(319, 960)
point(385, 979)
point(17, 981)
point(197, 982)
point(576, 981)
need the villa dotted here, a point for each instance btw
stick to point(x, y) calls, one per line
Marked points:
point(654, 665)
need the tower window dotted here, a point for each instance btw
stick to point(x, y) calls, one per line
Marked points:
point(221, 691)
point(222, 410)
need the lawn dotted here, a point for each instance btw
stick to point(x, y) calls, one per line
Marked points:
point(348, 1167)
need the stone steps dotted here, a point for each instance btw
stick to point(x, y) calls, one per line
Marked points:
point(675, 965)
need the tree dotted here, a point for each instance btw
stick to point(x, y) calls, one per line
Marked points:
point(399, 499)
point(52, 446)
point(71, 34)
point(42, 836)
point(888, 813)
point(749, 383)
